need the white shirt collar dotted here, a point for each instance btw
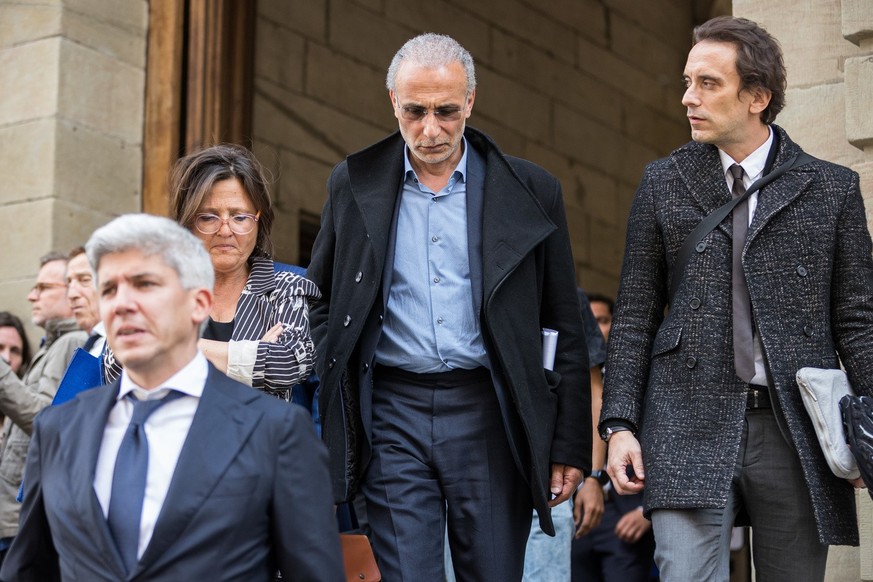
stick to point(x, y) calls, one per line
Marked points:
point(99, 329)
point(190, 380)
point(754, 164)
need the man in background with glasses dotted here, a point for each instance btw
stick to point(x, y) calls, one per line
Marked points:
point(22, 399)
point(441, 260)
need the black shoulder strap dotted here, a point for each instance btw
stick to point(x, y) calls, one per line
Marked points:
point(716, 216)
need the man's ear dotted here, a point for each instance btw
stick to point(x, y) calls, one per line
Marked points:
point(760, 99)
point(201, 305)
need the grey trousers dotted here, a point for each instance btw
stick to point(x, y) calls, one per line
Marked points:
point(694, 544)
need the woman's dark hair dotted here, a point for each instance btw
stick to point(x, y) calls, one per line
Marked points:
point(194, 176)
point(9, 320)
point(759, 57)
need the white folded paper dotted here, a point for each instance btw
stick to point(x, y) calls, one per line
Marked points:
point(550, 345)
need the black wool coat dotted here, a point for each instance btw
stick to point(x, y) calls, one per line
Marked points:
point(527, 283)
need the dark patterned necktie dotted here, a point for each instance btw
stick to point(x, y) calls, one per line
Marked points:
point(744, 355)
point(129, 479)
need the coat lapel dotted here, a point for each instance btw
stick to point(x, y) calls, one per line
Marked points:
point(699, 167)
point(375, 178)
point(782, 191)
point(513, 221)
point(220, 428)
point(86, 431)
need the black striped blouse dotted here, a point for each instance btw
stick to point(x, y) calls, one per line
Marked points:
point(268, 298)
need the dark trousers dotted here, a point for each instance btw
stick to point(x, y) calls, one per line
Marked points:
point(599, 556)
point(440, 457)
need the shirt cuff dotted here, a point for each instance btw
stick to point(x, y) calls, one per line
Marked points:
point(241, 357)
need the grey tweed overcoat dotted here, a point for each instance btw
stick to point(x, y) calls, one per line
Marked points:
point(670, 373)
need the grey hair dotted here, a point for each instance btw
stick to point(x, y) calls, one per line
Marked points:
point(432, 50)
point(154, 236)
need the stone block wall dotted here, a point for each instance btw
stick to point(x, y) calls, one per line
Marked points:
point(71, 115)
point(589, 89)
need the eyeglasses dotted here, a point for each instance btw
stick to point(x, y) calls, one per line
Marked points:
point(417, 113)
point(238, 223)
point(40, 287)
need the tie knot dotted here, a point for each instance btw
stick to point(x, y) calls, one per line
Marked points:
point(142, 409)
point(739, 188)
point(737, 171)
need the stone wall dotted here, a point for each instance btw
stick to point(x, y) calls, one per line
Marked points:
point(589, 89)
point(71, 111)
point(828, 46)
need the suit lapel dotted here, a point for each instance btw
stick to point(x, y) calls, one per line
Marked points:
point(86, 431)
point(220, 428)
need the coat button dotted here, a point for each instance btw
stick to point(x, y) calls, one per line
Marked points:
point(807, 330)
point(381, 318)
point(695, 303)
point(358, 277)
point(701, 246)
point(331, 363)
point(365, 367)
point(690, 362)
point(801, 270)
point(347, 320)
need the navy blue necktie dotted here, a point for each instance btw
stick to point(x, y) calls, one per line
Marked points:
point(92, 339)
point(129, 479)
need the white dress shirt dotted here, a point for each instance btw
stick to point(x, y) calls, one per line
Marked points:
point(753, 166)
point(166, 430)
point(97, 349)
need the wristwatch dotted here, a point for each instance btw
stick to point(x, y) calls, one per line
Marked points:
point(611, 430)
point(598, 474)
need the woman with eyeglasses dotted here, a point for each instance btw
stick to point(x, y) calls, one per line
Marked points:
point(258, 332)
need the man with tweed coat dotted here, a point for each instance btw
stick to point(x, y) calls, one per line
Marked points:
point(704, 437)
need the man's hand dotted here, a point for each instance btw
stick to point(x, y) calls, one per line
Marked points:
point(632, 526)
point(624, 451)
point(588, 508)
point(563, 483)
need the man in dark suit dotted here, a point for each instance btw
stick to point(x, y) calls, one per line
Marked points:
point(174, 472)
point(440, 260)
point(709, 389)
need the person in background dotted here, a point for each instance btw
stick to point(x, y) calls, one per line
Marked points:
point(84, 303)
point(602, 308)
point(621, 547)
point(441, 259)
point(21, 399)
point(14, 347)
point(549, 557)
point(701, 398)
point(175, 471)
point(258, 330)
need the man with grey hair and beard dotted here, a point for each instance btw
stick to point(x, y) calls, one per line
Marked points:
point(441, 260)
point(236, 485)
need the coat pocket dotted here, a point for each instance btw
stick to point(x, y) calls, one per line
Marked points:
point(667, 340)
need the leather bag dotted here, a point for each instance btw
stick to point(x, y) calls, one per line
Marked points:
point(858, 421)
point(822, 390)
point(358, 559)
